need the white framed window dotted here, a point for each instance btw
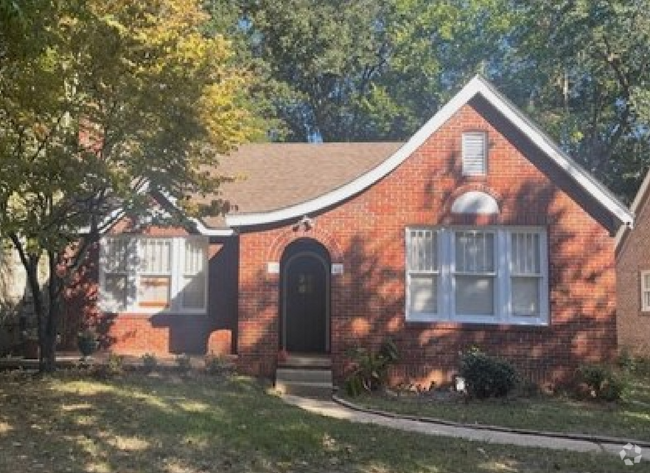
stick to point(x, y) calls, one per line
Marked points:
point(423, 272)
point(477, 274)
point(153, 274)
point(474, 273)
point(645, 291)
point(474, 153)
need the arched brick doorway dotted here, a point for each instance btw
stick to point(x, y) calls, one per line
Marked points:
point(305, 270)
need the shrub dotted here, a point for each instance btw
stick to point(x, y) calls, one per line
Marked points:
point(218, 365)
point(114, 366)
point(149, 362)
point(603, 383)
point(633, 364)
point(370, 369)
point(486, 376)
point(183, 363)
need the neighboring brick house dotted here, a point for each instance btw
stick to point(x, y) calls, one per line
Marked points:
point(476, 231)
point(633, 277)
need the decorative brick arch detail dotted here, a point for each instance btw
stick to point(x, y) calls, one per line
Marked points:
point(288, 236)
point(449, 201)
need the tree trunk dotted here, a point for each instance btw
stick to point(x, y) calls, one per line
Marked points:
point(52, 316)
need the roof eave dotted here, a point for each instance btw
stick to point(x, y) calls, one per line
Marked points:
point(477, 85)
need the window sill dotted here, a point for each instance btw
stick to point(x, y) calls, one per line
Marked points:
point(151, 314)
point(478, 325)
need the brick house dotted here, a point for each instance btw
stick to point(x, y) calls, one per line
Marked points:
point(476, 231)
point(633, 277)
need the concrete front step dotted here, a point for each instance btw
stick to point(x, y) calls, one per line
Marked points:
point(306, 361)
point(306, 382)
point(297, 375)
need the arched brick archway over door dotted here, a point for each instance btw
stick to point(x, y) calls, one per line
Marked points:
point(305, 293)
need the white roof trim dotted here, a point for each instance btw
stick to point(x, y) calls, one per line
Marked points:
point(477, 85)
point(634, 208)
point(198, 224)
point(643, 190)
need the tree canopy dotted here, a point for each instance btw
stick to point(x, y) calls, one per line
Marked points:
point(98, 100)
point(365, 70)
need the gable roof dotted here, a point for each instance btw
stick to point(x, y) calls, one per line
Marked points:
point(379, 166)
point(281, 175)
point(642, 196)
point(285, 181)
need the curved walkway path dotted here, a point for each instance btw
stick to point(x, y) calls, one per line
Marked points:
point(336, 410)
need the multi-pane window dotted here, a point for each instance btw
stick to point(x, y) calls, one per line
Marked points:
point(645, 291)
point(194, 277)
point(423, 271)
point(474, 272)
point(116, 272)
point(474, 153)
point(525, 273)
point(486, 275)
point(153, 274)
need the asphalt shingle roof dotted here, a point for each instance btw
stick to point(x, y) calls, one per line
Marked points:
point(279, 175)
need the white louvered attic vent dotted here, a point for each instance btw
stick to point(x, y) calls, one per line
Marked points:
point(474, 153)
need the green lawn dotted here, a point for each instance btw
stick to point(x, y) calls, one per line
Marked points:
point(628, 418)
point(140, 423)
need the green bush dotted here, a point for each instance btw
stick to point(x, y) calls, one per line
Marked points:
point(603, 383)
point(114, 366)
point(370, 369)
point(149, 362)
point(183, 363)
point(486, 376)
point(218, 365)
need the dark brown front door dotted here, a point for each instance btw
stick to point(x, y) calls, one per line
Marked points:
point(306, 304)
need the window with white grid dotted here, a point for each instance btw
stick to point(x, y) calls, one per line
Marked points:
point(474, 272)
point(155, 272)
point(115, 267)
point(422, 272)
point(482, 275)
point(194, 282)
point(525, 273)
point(474, 153)
point(645, 291)
point(146, 274)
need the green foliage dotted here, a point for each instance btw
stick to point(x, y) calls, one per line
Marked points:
point(366, 70)
point(370, 369)
point(149, 362)
point(113, 367)
point(218, 365)
point(603, 382)
point(183, 363)
point(98, 99)
point(486, 376)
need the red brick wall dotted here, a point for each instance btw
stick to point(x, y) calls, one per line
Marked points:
point(634, 257)
point(163, 334)
point(366, 234)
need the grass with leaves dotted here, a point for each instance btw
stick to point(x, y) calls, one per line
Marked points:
point(194, 424)
point(627, 418)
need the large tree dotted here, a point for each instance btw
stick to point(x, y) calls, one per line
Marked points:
point(582, 68)
point(99, 100)
point(375, 70)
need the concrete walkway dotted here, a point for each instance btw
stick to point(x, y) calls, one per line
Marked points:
point(331, 409)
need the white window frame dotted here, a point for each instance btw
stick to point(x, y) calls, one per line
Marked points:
point(450, 263)
point(435, 272)
point(645, 307)
point(467, 165)
point(504, 314)
point(133, 276)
